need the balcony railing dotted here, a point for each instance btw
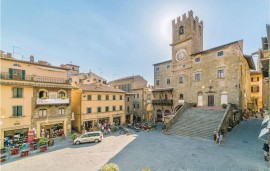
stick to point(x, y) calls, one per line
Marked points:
point(52, 101)
point(35, 78)
point(162, 102)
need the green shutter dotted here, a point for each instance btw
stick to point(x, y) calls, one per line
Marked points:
point(23, 74)
point(20, 113)
point(10, 72)
point(14, 108)
point(19, 92)
point(14, 92)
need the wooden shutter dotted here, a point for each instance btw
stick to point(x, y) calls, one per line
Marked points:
point(19, 111)
point(14, 108)
point(14, 92)
point(10, 72)
point(23, 74)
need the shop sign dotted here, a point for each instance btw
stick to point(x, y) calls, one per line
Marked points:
point(53, 101)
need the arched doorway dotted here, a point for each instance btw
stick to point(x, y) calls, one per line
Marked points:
point(167, 112)
point(200, 99)
point(159, 115)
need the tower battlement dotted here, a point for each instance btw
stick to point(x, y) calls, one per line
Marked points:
point(184, 17)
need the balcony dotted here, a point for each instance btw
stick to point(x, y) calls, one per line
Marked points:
point(52, 101)
point(168, 102)
point(35, 78)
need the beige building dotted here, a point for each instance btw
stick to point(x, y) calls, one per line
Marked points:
point(256, 90)
point(87, 78)
point(97, 103)
point(72, 69)
point(34, 96)
point(212, 77)
point(134, 85)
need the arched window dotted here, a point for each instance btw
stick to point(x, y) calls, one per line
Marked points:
point(42, 94)
point(42, 112)
point(62, 94)
point(168, 81)
point(181, 30)
point(61, 111)
point(181, 96)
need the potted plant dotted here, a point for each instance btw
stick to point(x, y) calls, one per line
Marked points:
point(74, 136)
point(110, 167)
point(224, 106)
point(43, 144)
point(51, 142)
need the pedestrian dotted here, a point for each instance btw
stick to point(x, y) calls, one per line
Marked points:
point(221, 136)
point(102, 128)
point(262, 114)
point(266, 150)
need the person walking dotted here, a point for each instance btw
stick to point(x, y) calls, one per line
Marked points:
point(221, 137)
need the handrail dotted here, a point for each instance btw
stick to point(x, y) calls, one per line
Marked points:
point(176, 115)
point(224, 118)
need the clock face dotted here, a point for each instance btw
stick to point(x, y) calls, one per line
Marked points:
point(181, 55)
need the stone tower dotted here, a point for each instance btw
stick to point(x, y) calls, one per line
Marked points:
point(187, 39)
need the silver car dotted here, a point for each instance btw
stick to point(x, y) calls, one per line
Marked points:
point(96, 136)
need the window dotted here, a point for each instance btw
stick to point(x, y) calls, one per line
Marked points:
point(128, 99)
point(89, 97)
point(134, 96)
point(138, 106)
point(168, 81)
point(114, 108)
point(181, 30)
point(120, 97)
point(255, 89)
point(120, 107)
point(198, 59)
point(42, 94)
point(107, 97)
point(168, 66)
point(255, 79)
point(89, 110)
point(128, 109)
point(138, 95)
point(42, 112)
point(181, 96)
point(17, 92)
point(157, 82)
point(198, 77)
point(16, 74)
point(220, 73)
point(134, 106)
point(61, 111)
point(62, 94)
point(114, 97)
point(220, 53)
point(157, 68)
point(107, 108)
point(98, 109)
point(17, 110)
point(99, 97)
point(181, 79)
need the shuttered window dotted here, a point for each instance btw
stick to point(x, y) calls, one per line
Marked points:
point(17, 111)
point(17, 92)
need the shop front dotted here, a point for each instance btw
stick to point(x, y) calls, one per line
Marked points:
point(117, 120)
point(15, 137)
point(52, 131)
point(88, 125)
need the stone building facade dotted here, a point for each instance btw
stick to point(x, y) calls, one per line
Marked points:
point(212, 77)
point(87, 78)
point(37, 97)
point(97, 103)
point(256, 90)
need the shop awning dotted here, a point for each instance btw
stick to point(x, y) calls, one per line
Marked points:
point(263, 132)
point(265, 120)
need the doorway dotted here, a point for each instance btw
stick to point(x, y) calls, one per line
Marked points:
point(211, 100)
point(200, 99)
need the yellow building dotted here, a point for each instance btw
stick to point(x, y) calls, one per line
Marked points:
point(95, 104)
point(256, 90)
point(34, 96)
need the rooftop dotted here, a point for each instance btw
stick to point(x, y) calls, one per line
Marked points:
point(169, 61)
point(99, 88)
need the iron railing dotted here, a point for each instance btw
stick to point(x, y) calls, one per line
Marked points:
point(35, 78)
point(162, 102)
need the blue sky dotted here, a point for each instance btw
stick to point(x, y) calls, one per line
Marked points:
point(119, 38)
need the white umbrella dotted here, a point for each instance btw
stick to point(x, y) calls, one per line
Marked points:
point(263, 132)
point(266, 119)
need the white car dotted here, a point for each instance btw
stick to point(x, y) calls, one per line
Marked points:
point(96, 136)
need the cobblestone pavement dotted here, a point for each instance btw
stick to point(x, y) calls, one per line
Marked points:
point(242, 151)
point(68, 157)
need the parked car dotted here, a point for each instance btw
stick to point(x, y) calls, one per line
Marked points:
point(96, 136)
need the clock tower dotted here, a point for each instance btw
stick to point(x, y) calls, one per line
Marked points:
point(187, 39)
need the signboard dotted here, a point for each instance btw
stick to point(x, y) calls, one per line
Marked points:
point(53, 101)
point(31, 136)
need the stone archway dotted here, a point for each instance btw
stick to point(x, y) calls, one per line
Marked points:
point(159, 115)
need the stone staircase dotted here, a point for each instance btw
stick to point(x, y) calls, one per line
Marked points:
point(197, 122)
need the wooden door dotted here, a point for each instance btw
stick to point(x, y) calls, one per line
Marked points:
point(211, 100)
